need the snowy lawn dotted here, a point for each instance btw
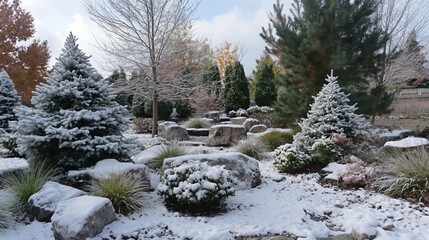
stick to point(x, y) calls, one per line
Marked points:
point(282, 204)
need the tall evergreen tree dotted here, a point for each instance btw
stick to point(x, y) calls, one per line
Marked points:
point(236, 93)
point(212, 80)
point(75, 121)
point(9, 99)
point(321, 35)
point(266, 92)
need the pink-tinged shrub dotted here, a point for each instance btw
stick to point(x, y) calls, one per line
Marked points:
point(356, 173)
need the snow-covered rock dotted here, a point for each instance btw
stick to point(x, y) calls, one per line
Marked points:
point(242, 167)
point(393, 135)
point(8, 165)
point(408, 142)
point(81, 217)
point(258, 128)
point(148, 154)
point(250, 122)
point(226, 134)
point(42, 204)
point(108, 167)
point(214, 115)
point(172, 131)
point(238, 120)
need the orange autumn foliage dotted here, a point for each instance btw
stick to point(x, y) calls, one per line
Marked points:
point(24, 60)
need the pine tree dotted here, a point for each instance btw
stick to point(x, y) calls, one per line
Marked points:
point(266, 92)
point(324, 35)
point(9, 99)
point(330, 113)
point(75, 121)
point(236, 94)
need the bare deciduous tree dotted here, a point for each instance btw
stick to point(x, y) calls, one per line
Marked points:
point(139, 36)
point(399, 19)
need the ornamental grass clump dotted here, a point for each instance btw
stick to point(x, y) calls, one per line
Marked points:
point(23, 184)
point(252, 148)
point(166, 151)
point(196, 185)
point(197, 123)
point(406, 175)
point(124, 191)
point(275, 139)
point(6, 215)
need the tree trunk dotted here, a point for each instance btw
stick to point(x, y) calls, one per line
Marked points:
point(155, 114)
point(154, 104)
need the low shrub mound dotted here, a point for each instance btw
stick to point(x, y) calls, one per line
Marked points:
point(275, 139)
point(252, 148)
point(166, 151)
point(406, 175)
point(194, 185)
point(124, 191)
point(197, 123)
point(142, 125)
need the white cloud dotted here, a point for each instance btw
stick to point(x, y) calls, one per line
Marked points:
point(237, 27)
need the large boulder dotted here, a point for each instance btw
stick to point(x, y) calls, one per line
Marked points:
point(258, 128)
point(42, 204)
point(226, 134)
point(244, 168)
point(250, 122)
point(172, 131)
point(108, 167)
point(409, 142)
point(81, 217)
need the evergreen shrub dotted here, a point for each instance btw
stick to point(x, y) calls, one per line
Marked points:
point(194, 185)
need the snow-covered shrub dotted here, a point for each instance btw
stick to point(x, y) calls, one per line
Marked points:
point(252, 148)
point(9, 99)
point(239, 113)
point(406, 175)
point(289, 159)
point(142, 125)
point(124, 191)
point(6, 215)
point(330, 113)
point(23, 184)
point(356, 173)
point(275, 139)
point(257, 109)
point(195, 184)
point(166, 151)
point(325, 150)
point(197, 123)
point(8, 140)
point(75, 121)
point(263, 114)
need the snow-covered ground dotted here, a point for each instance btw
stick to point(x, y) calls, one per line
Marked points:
point(281, 204)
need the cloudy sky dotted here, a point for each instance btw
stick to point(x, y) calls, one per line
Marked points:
point(235, 21)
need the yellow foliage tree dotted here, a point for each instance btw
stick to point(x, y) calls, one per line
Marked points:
point(226, 55)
